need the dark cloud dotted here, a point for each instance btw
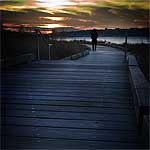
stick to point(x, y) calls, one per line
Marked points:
point(27, 16)
point(99, 17)
point(119, 17)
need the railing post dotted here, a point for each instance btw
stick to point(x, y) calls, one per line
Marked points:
point(126, 41)
point(49, 51)
point(38, 45)
point(38, 48)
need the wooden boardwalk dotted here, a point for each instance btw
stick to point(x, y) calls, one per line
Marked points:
point(79, 104)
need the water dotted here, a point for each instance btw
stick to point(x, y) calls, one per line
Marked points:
point(117, 40)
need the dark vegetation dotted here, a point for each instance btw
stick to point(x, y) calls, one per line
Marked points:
point(15, 44)
point(64, 49)
point(141, 52)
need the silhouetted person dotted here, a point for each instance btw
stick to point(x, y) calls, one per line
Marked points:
point(94, 36)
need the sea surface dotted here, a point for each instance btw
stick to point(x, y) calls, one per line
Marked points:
point(117, 40)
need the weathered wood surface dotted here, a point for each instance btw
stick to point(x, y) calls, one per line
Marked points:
point(78, 104)
point(140, 90)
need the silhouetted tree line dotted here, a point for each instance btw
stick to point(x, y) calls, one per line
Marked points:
point(106, 32)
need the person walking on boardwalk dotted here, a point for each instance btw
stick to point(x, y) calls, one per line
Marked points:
point(94, 36)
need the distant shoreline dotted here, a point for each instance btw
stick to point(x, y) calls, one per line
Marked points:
point(131, 32)
point(114, 39)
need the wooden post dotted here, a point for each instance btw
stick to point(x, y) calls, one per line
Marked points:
point(38, 47)
point(147, 32)
point(126, 41)
point(49, 52)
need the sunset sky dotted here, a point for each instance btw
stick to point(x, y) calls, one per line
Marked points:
point(79, 14)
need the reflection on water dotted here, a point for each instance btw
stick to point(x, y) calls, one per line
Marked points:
point(118, 40)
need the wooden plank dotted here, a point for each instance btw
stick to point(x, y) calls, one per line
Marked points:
point(66, 83)
point(107, 98)
point(105, 77)
point(55, 96)
point(72, 134)
point(92, 88)
point(99, 91)
point(75, 67)
point(72, 79)
point(99, 103)
point(68, 92)
point(44, 143)
point(94, 58)
point(130, 119)
point(63, 123)
point(67, 72)
point(80, 109)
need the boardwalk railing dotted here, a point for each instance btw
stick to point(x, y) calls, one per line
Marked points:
point(77, 56)
point(114, 45)
point(140, 91)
